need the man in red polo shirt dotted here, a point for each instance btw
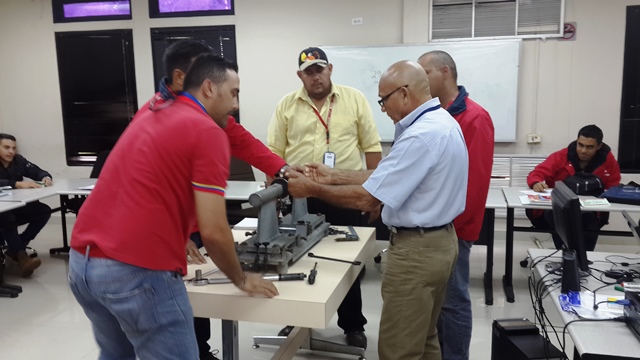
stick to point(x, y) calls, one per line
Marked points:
point(177, 59)
point(454, 324)
point(166, 174)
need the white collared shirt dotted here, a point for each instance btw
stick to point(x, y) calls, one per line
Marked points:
point(423, 180)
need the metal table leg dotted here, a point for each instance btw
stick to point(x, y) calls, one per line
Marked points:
point(230, 348)
point(507, 279)
point(489, 223)
point(63, 212)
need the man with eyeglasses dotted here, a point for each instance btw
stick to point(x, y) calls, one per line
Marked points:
point(455, 323)
point(422, 183)
point(331, 124)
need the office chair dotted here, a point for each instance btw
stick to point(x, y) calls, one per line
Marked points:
point(7, 290)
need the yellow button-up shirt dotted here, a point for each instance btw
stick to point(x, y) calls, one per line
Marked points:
point(297, 135)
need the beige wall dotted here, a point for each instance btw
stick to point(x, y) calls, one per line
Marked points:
point(563, 85)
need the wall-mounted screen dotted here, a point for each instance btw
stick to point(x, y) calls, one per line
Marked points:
point(181, 8)
point(74, 10)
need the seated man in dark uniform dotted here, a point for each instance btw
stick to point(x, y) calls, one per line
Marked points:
point(14, 168)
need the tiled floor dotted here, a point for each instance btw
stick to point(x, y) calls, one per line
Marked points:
point(45, 322)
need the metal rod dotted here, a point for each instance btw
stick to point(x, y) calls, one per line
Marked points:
point(334, 259)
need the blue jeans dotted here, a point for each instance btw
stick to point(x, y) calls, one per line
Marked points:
point(454, 324)
point(133, 311)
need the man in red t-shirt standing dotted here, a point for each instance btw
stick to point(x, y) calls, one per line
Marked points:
point(166, 174)
point(177, 59)
point(454, 325)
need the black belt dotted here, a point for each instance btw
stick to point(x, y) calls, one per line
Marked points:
point(417, 228)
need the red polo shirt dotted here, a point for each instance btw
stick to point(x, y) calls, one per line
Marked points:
point(142, 209)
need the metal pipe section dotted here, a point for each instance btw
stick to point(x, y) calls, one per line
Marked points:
point(277, 189)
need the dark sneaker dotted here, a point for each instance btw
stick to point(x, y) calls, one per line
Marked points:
point(357, 339)
point(285, 331)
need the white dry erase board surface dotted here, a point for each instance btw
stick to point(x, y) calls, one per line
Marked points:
point(488, 69)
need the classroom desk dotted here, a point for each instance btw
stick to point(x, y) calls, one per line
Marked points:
point(65, 188)
point(28, 195)
point(602, 340)
point(512, 195)
point(236, 190)
point(299, 304)
point(240, 190)
point(10, 205)
point(495, 200)
point(59, 185)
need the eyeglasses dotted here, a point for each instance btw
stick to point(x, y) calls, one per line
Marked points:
point(385, 98)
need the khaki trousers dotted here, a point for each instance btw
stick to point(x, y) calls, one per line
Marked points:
point(414, 285)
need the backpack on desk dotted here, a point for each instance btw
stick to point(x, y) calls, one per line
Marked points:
point(623, 194)
point(584, 184)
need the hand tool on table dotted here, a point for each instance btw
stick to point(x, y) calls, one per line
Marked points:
point(334, 259)
point(199, 280)
point(312, 274)
point(351, 236)
point(210, 272)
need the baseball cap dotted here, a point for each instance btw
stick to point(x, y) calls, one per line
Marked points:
point(312, 56)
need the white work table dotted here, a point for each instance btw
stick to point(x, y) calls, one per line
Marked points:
point(73, 186)
point(601, 340)
point(60, 186)
point(299, 304)
point(240, 190)
point(10, 205)
point(512, 195)
point(236, 190)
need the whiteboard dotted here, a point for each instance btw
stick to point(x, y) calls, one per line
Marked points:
point(487, 69)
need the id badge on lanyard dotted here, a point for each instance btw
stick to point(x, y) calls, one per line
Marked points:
point(329, 159)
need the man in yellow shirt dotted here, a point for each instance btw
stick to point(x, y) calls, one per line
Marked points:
point(331, 124)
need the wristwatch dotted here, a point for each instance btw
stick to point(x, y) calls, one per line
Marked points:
point(280, 173)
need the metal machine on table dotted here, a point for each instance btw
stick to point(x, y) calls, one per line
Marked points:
point(279, 243)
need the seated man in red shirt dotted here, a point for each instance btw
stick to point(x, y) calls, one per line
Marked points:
point(588, 154)
point(127, 248)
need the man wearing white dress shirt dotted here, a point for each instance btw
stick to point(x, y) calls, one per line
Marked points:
point(422, 183)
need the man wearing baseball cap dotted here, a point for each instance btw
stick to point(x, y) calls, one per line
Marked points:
point(332, 124)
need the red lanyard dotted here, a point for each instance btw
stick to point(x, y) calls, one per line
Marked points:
point(326, 125)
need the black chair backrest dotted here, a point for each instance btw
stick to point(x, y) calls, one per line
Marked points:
point(240, 170)
point(97, 166)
